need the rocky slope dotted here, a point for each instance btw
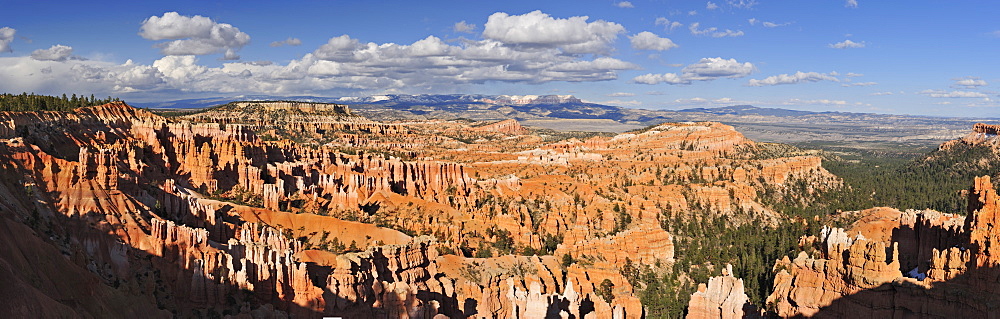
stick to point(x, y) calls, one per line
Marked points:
point(898, 264)
point(195, 217)
point(886, 263)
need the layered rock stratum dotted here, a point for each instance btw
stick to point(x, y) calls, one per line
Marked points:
point(115, 211)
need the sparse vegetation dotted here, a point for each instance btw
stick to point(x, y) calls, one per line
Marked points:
point(567, 260)
point(606, 291)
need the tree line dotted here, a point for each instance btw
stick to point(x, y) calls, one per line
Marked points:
point(29, 102)
point(937, 181)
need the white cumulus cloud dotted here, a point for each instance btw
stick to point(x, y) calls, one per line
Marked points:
point(57, 52)
point(742, 4)
point(971, 82)
point(341, 49)
point(712, 68)
point(463, 27)
point(6, 37)
point(713, 31)
point(667, 24)
point(136, 78)
point(711, 5)
point(193, 35)
point(180, 68)
point(694, 100)
point(289, 41)
point(572, 35)
point(798, 77)
point(851, 3)
point(768, 24)
point(621, 94)
point(847, 44)
point(953, 94)
point(706, 69)
point(625, 4)
point(859, 84)
point(649, 41)
point(431, 60)
point(341, 66)
point(668, 78)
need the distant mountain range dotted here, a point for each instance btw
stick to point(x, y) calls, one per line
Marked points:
point(492, 107)
point(565, 112)
point(521, 107)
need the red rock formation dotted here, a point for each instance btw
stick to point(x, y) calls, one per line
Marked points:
point(645, 244)
point(981, 135)
point(723, 297)
point(856, 274)
point(982, 227)
point(804, 285)
point(130, 193)
point(40, 281)
point(986, 128)
point(506, 127)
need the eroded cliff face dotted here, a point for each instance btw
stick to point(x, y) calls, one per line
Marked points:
point(212, 219)
point(505, 126)
point(898, 264)
point(982, 134)
point(723, 297)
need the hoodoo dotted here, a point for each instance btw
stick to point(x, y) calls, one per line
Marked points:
point(326, 213)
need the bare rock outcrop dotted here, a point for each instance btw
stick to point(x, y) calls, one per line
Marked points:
point(982, 128)
point(895, 263)
point(506, 127)
point(723, 297)
point(645, 244)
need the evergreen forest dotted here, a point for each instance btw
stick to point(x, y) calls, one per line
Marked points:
point(28, 102)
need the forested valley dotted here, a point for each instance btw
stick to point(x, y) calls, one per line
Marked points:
point(938, 180)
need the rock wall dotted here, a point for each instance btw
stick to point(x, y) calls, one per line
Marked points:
point(986, 128)
point(506, 127)
point(723, 297)
point(863, 272)
point(645, 244)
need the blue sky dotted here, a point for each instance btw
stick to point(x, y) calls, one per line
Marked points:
point(924, 57)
